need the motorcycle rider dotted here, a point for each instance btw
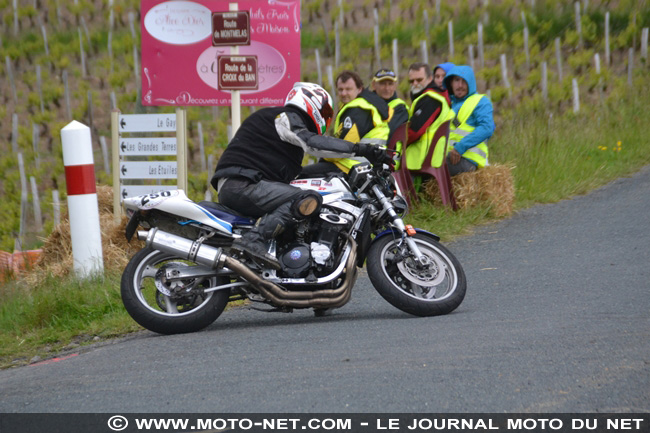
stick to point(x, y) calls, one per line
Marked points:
point(253, 174)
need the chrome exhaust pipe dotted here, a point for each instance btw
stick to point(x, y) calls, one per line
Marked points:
point(183, 247)
point(278, 296)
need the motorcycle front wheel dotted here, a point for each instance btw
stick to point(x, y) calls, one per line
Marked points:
point(169, 306)
point(434, 290)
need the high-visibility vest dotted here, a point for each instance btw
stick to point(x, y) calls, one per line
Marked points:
point(393, 105)
point(478, 153)
point(376, 136)
point(396, 102)
point(418, 150)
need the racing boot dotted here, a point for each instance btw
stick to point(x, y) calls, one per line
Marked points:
point(253, 243)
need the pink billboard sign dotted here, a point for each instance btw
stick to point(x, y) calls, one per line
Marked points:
point(179, 63)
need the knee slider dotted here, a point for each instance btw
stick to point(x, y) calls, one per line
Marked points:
point(307, 205)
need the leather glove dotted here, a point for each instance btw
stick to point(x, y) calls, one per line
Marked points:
point(374, 154)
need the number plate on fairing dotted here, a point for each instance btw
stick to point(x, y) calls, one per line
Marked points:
point(150, 201)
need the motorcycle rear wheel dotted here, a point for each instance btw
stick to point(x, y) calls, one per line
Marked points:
point(435, 291)
point(143, 297)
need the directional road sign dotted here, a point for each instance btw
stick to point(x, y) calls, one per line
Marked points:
point(238, 72)
point(147, 122)
point(148, 146)
point(231, 28)
point(148, 170)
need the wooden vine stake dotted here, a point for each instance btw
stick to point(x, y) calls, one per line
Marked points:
point(395, 58)
point(14, 132)
point(36, 132)
point(558, 59)
point(38, 218)
point(630, 66)
point(425, 51)
point(47, 46)
point(504, 74)
point(578, 24)
point(576, 95)
point(84, 71)
point(66, 90)
point(377, 47)
point(450, 31)
point(544, 81)
point(526, 37)
point(330, 81)
point(56, 207)
point(39, 87)
point(608, 56)
point(12, 84)
point(15, 5)
point(470, 56)
point(23, 202)
point(600, 79)
point(481, 52)
point(201, 148)
point(105, 156)
point(318, 68)
point(337, 45)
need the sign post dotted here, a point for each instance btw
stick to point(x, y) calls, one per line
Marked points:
point(232, 29)
point(143, 148)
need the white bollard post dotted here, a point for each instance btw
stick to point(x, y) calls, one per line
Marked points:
point(82, 199)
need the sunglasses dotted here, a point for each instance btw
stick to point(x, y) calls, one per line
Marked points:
point(416, 80)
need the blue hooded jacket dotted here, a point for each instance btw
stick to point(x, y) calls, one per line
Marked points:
point(481, 118)
point(445, 67)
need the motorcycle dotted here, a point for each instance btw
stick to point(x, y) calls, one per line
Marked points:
point(184, 277)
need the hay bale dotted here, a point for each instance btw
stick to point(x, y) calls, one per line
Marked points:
point(492, 185)
point(56, 258)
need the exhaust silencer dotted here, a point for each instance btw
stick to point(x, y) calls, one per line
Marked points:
point(183, 247)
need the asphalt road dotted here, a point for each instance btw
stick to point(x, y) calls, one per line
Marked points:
point(556, 319)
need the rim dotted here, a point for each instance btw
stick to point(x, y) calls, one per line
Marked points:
point(436, 283)
point(153, 293)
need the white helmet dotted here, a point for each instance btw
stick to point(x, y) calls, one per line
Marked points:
point(313, 100)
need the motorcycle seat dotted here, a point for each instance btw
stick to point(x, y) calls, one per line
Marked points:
point(226, 214)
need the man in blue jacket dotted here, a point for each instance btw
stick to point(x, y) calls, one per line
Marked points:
point(473, 124)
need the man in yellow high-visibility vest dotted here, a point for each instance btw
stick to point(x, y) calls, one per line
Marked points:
point(429, 109)
point(473, 124)
point(362, 119)
point(384, 83)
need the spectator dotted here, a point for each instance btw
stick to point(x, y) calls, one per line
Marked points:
point(473, 124)
point(429, 109)
point(439, 73)
point(362, 119)
point(384, 83)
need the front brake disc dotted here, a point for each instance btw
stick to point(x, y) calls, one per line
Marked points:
point(430, 276)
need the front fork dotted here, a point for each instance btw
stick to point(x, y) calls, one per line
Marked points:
point(420, 259)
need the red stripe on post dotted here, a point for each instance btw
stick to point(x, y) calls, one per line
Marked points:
point(80, 179)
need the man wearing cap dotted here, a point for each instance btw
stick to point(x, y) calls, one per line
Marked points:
point(363, 118)
point(384, 83)
point(430, 108)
